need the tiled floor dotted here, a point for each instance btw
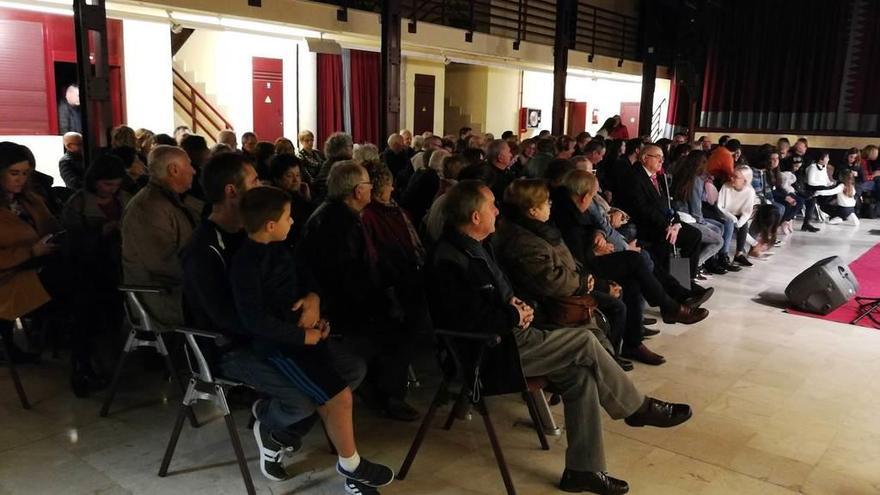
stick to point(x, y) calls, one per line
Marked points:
point(783, 404)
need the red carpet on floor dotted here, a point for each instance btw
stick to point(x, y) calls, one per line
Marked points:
point(867, 271)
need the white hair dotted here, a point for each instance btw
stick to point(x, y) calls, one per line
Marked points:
point(436, 161)
point(161, 157)
point(366, 152)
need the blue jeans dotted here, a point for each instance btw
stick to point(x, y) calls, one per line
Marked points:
point(790, 210)
point(711, 243)
point(288, 404)
point(727, 228)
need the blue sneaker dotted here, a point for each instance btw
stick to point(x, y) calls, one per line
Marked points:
point(368, 473)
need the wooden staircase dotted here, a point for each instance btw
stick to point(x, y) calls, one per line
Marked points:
point(193, 107)
point(454, 119)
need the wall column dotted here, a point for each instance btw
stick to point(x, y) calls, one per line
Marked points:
point(566, 21)
point(389, 87)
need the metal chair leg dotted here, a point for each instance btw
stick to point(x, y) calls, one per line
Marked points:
point(176, 378)
point(239, 454)
point(536, 420)
point(16, 381)
point(172, 442)
point(496, 447)
point(412, 380)
point(423, 431)
point(111, 392)
point(460, 402)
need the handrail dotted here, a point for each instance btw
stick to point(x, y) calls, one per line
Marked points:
point(655, 117)
point(195, 101)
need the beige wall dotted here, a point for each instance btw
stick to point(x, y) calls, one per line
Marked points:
point(412, 67)
point(466, 88)
point(362, 28)
point(502, 100)
point(222, 60)
point(816, 141)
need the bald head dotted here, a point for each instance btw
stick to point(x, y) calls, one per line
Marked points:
point(395, 143)
point(72, 142)
point(227, 137)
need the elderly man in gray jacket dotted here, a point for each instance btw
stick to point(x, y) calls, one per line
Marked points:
point(157, 224)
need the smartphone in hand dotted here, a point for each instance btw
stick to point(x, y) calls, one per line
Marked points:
point(55, 237)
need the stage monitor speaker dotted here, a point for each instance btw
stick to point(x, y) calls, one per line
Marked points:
point(823, 287)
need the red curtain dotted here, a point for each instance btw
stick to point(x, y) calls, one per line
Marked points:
point(330, 99)
point(365, 97)
point(777, 65)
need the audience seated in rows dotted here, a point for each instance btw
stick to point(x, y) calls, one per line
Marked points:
point(274, 269)
point(469, 292)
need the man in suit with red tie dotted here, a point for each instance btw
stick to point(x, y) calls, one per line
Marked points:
point(659, 228)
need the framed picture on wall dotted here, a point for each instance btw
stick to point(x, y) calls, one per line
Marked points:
point(533, 119)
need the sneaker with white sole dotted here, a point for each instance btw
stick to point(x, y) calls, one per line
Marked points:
point(271, 453)
point(353, 487)
point(368, 473)
point(290, 441)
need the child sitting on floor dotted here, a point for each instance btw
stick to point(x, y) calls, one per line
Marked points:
point(846, 200)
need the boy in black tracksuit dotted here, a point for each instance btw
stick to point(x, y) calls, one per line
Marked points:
point(268, 288)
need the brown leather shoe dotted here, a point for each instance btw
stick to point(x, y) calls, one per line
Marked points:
point(643, 355)
point(686, 315)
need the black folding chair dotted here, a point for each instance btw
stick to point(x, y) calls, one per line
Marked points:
point(206, 386)
point(468, 373)
point(16, 381)
point(144, 334)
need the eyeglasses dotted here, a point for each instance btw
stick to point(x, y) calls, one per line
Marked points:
point(362, 183)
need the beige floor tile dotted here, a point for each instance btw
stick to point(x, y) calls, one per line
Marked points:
point(804, 441)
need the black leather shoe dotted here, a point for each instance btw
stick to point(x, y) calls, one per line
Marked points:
point(743, 260)
point(655, 412)
point(398, 409)
point(698, 297)
point(581, 481)
point(727, 265)
point(715, 268)
point(649, 332)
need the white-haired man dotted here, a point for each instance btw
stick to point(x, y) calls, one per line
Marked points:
point(157, 224)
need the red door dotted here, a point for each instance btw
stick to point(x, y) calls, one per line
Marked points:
point(629, 116)
point(577, 117)
point(268, 98)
